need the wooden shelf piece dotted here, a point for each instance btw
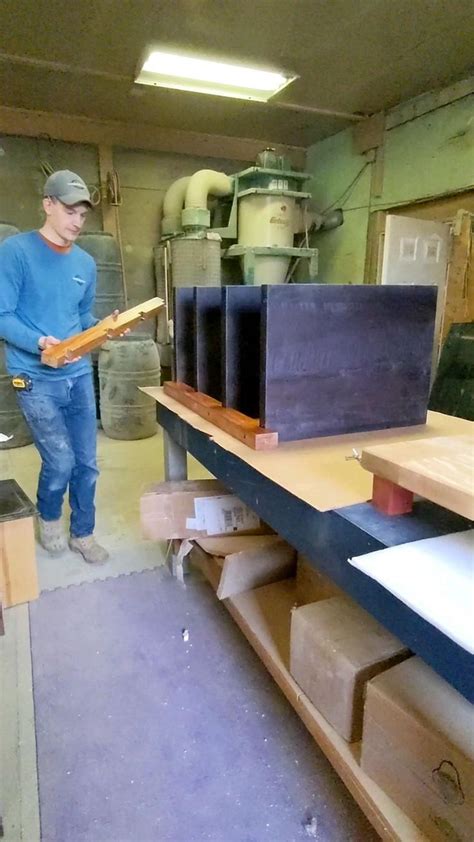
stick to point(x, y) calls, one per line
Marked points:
point(247, 430)
point(441, 469)
point(263, 615)
point(82, 343)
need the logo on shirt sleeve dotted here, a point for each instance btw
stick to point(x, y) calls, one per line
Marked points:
point(78, 280)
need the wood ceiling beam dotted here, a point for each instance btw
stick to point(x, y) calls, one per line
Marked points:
point(76, 129)
point(321, 112)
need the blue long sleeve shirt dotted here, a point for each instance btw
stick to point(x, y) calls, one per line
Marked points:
point(43, 293)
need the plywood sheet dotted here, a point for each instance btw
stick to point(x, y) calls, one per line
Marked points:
point(440, 469)
point(317, 470)
point(241, 306)
point(434, 577)
point(343, 358)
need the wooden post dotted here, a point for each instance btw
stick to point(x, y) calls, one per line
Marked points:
point(109, 212)
point(459, 288)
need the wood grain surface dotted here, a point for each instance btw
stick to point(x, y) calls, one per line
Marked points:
point(440, 469)
point(82, 343)
point(339, 359)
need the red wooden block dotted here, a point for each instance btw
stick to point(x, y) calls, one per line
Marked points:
point(391, 499)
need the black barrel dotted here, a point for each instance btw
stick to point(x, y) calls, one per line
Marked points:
point(12, 422)
point(7, 230)
point(110, 291)
point(125, 364)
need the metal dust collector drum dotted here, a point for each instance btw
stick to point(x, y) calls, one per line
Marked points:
point(12, 422)
point(125, 364)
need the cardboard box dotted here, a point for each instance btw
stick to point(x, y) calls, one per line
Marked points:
point(418, 746)
point(237, 564)
point(311, 584)
point(336, 647)
point(194, 508)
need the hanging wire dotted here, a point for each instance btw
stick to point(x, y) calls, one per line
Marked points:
point(345, 195)
point(95, 194)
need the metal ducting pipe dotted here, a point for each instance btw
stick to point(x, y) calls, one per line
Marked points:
point(202, 184)
point(173, 204)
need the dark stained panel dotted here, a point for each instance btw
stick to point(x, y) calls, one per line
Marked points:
point(184, 335)
point(207, 340)
point(453, 389)
point(241, 308)
point(341, 359)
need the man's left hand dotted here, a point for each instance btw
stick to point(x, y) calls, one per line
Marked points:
point(115, 316)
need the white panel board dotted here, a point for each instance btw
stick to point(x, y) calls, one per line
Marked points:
point(434, 577)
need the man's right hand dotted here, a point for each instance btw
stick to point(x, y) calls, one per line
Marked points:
point(46, 342)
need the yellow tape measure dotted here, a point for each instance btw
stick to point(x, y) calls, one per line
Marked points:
point(22, 382)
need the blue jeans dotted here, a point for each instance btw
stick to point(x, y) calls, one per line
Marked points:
point(62, 419)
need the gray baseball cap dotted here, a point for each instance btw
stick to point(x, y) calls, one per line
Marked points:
point(68, 187)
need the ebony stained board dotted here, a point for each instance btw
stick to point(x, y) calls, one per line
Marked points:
point(345, 358)
point(241, 313)
point(207, 341)
point(453, 389)
point(184, 335)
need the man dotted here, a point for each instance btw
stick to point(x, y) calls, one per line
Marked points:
point(47, 289)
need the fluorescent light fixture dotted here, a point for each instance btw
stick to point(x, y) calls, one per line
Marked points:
point(186, 73)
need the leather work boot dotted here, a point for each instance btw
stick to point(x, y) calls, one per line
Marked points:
point(52, 536)
point(90, 550)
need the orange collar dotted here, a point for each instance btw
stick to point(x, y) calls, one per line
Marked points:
point(54, 246)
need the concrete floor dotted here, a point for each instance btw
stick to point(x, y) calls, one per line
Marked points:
point(127, 468)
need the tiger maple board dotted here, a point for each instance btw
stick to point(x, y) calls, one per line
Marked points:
point(82, 343)
point(440, 469)
point(344, 358)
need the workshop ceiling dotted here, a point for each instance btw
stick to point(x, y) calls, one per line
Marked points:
point(357, 56)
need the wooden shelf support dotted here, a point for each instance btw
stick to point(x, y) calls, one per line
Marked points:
point(238, 425)
point(390, 498)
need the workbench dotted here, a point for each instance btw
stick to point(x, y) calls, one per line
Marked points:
point(314, 495)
